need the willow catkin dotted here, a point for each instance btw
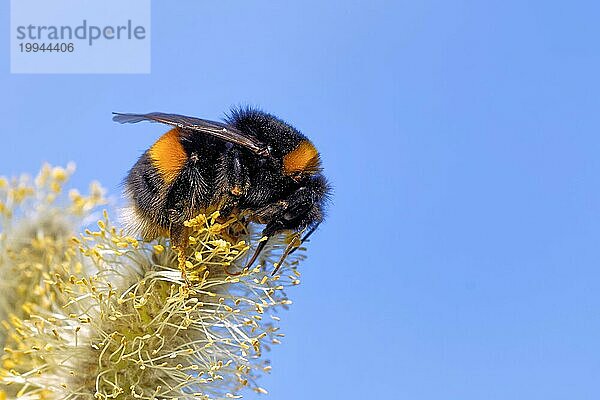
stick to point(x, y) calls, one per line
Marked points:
point(114, 320)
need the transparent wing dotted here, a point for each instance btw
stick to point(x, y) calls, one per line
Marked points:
point(216, 129)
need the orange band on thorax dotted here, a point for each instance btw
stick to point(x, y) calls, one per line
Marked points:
point(304, 158)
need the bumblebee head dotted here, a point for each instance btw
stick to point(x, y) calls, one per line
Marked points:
point(297, 156)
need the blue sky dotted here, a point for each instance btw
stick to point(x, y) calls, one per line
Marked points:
point(460, 256)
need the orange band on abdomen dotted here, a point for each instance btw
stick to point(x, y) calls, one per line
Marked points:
point(168, 155)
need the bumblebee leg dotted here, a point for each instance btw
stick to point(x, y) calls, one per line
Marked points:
point(259, 249)
point(305, 238)
point(300, 210)
point(180, 240)
point(293, 245)
point(232, 273)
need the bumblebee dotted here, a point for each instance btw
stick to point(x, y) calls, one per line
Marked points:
point(252, 162)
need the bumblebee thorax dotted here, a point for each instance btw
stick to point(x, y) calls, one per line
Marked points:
point(303, 159)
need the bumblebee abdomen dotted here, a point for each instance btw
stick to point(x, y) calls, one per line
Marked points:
point(168, 155)
point(145, 191)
